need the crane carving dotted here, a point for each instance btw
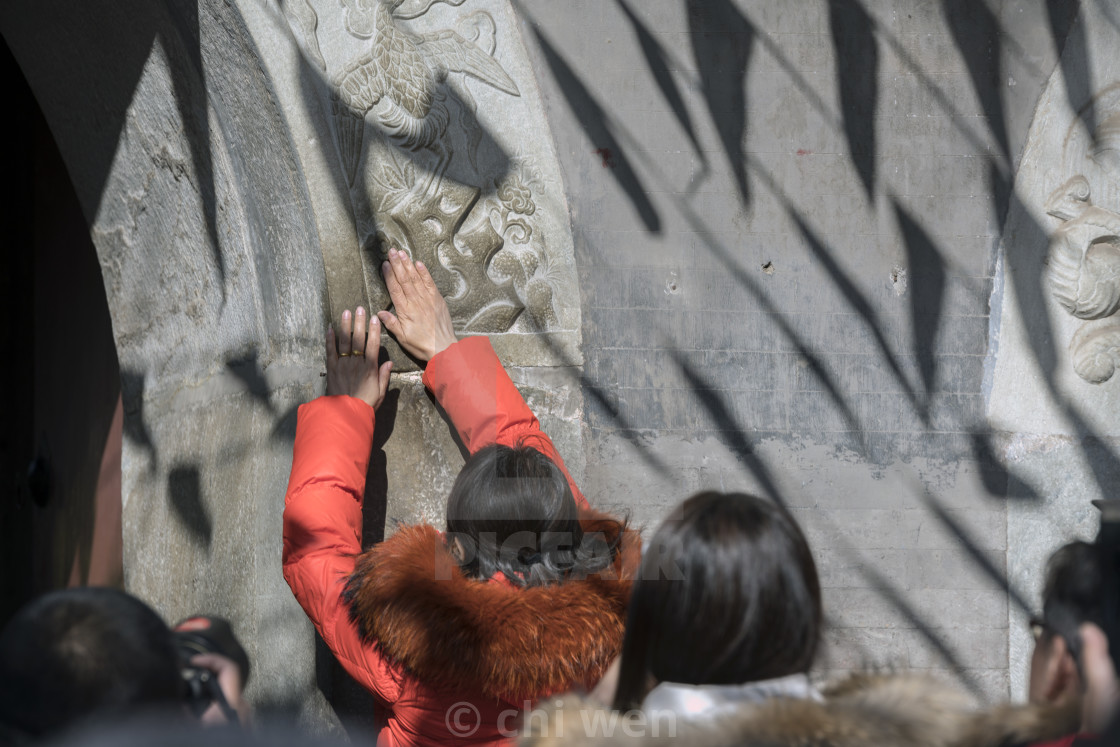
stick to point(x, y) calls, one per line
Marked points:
point(399, 80)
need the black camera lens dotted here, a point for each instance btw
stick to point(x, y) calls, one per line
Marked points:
point(207, 635)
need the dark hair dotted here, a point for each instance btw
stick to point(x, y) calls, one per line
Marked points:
point(727, 594)
point(511, 510)
point(1073, 591)
point(73, 653)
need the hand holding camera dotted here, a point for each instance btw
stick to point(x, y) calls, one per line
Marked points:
point(215, 669)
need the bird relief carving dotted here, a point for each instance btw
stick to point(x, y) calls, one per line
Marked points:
point(403, 116)
point(1083, 262)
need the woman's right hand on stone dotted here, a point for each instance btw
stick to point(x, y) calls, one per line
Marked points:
point(422, 322)
point(352, 359)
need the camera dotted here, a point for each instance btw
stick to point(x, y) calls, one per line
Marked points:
point(204, 634)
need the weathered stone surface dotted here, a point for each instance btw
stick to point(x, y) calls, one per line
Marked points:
point(1060, 418)
point(789, 252)
point(420, 126)
point(208, 146)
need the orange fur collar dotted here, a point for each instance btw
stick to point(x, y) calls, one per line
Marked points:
point(409, 595)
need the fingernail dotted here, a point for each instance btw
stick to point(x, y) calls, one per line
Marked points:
point(346, 314)
point(392, 252)
point(374, 321)
point(361, 311)
point(419, 263)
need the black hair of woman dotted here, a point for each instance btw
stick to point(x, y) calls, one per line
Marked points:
point(727, 594)
point(512, 510)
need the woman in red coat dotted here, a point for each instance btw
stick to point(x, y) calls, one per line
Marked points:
point(454, 633)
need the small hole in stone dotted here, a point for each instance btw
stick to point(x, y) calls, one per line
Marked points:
point(768, 267)
point(898, 280)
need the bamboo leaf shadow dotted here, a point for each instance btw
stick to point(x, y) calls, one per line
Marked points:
point(376, 496)
point(284, 426)
point(185, 494)
point(857, 77)
point(895, 598)
point(997, 480)
point(976, 33)
point(248, 369)
point(1026, 272)
point(978, 556)
point(816, 366)
point(728, 429)
point(657, 59)
point(857, 301)
point(602, 401)
point(593, 119)
point(927, 295)
point(1073, 55)
point(722, 41)
point(135, 428)
point(191, 100)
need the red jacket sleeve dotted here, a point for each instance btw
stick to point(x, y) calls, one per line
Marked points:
point(322, 529)
point(484, 406)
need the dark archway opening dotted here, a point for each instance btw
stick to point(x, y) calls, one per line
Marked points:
point(60, 438)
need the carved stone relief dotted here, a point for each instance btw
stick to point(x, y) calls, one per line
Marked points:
point(424, 174)
point(1084, 253)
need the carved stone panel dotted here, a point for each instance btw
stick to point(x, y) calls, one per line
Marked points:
point(432, 113)
point(1055, 396)
point(1084, 254)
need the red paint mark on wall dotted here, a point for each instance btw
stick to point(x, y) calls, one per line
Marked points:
point(803, 152)
point(606, 155)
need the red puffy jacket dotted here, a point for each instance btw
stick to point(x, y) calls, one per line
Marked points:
point(449, 657)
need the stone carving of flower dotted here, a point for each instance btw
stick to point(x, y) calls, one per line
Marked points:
point(396, 180)
point(517, 197)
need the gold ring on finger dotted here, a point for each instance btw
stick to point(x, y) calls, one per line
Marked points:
point(359, 353)
point(343, 355)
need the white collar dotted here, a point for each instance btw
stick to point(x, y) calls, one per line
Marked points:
point(705, 700)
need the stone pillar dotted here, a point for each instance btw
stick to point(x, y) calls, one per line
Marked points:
point(243, 167)
point(1055, 397)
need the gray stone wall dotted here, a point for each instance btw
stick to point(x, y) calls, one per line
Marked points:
point(788, 224)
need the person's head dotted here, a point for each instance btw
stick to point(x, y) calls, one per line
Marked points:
point(83, 652)
point(1071, 596)
point(727, 594)
point(511, 510)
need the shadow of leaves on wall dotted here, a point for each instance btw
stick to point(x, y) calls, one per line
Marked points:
point(1070, 45)
point(597, 124)
point(857, 77)
point(722, 41)
point(184, 491)
point(976, 32)
point(247, 368)
point(657, 58)
point(927, 294)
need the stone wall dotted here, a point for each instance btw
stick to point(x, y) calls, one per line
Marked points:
point(788, 227)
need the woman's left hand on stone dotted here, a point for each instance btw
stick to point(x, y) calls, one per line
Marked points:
point(352, 357)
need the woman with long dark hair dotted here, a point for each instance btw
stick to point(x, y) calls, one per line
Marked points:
point(724, 625)
point(453, 632)
point(728, 609)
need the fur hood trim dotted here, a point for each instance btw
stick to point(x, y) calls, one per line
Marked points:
point(866, 709)
point(409, 596)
